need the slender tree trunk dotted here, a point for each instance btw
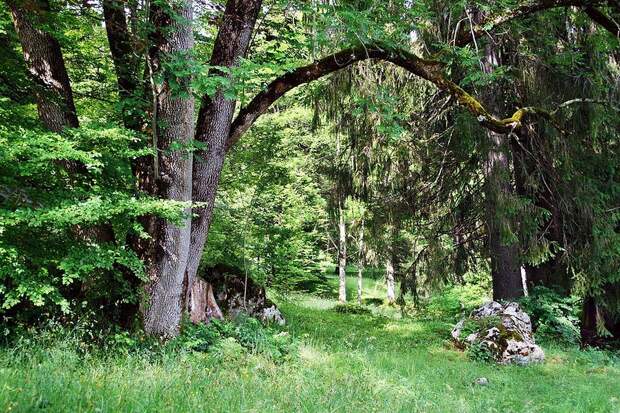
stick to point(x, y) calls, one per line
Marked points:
point(174, 127)
point(45, 64)
point(214, 120)
point(389, 279)
point(360, 265)
point(342, 252)
point(392, 260)
point(505, 264)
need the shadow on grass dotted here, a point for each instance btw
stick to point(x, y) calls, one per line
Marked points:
point(373, 301)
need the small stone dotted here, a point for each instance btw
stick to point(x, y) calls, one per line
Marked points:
point(481, 381)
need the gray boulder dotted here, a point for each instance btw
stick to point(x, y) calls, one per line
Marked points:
point(504, 330)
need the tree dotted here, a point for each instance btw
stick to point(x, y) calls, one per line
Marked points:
point(214, 122)
point(173, 112)
point(499, 191)
point(360, 261)
point(172, 65)
point(45, 63)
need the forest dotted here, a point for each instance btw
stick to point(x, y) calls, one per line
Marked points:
point(310, 205)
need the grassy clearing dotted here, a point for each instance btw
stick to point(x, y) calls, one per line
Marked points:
point(346, 363)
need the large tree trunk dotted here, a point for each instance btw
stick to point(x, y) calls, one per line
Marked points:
point(342, 252)
point(134, 109)
point(214, 121)
point(174, 109)
point(45, 64)
point(505, 264)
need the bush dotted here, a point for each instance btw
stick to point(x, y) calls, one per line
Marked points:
point(56, 226)
point(554, 317)
point(479, 351)
point(347, 308)
point(247, 332)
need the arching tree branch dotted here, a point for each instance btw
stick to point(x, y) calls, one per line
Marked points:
point(426, 69)
point(599, 17)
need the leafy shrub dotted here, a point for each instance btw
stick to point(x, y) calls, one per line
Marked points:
point(229, 350)
point(479, 351)
point(554, 317)
point(247, 332)
point(349, 308)
point(62, 232)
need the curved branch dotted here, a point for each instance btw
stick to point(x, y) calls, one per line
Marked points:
point(597, 16)
point(426, 69)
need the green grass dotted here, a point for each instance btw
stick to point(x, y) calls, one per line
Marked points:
point(346, 363)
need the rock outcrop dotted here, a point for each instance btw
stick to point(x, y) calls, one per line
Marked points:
point(502, 330)
point(224, 289)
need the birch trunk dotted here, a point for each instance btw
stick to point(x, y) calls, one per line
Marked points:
point(389, 280)
point(342, 253)
point(360, 265)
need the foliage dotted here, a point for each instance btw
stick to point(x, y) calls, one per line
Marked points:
point(454, 302)
point(479, 351)
point(68, 229)
point(244, 333)
point(554, 317)
point(271, 200)
point(348, 308)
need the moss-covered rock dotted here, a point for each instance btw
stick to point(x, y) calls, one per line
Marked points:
point(502, 332)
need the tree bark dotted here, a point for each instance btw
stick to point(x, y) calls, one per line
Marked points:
point(174, 127)
point(45, 64)
point(389, 279)
point(505, 264)
point(360, 264)
point(342, 252)
point(202, 305)
point(214, 121)
point(124, 58)
point(392, 261)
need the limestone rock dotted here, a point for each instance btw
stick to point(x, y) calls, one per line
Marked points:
point(482, 381)
point(505, 330)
